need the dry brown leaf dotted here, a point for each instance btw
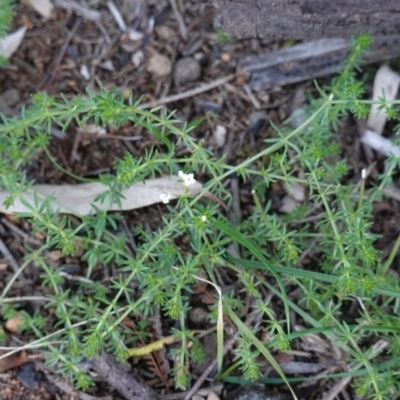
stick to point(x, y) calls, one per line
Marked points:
point(55, 255)
point(78, 199)
point(14, 323)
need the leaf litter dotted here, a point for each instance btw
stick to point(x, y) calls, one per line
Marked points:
point(235, 106)
point(79, 199)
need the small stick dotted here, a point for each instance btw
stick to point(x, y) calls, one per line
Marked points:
point(8, 256)
point(127, 384)
point(208, 370)
point(376, 348)
point(117, 15)
point(21, 233)
point(188, 93)
point(179, 19)
point(61, 54)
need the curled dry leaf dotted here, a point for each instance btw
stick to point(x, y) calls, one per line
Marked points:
point(10, 43)
point(78, 199)
point(380, 144)
point(43, 7)
point(386, 84)
point(14, 323)
point(131, 40)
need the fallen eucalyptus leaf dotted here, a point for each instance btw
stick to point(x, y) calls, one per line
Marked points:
point(386, 84)
point(78, 199)
point(10, 43)
point(380, 144)
point(43, 7)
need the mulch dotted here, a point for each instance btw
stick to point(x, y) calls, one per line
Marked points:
point(68, 53)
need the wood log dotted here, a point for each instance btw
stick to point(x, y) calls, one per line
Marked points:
point(305, 19)
point(311, 60)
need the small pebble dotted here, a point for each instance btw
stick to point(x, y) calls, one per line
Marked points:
point(198, 315)
point(186, 70)
point(256, 122)
point(159, 65)
point(210, 106)
point(296, 191)
point(219, 134)
point(256, 392)
point(11, 97)
point(164, 32)
point(225, 57)
point(288, 205)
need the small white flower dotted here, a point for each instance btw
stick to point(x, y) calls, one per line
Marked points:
point(188, 179)
point(204, 218)
point(165, 197)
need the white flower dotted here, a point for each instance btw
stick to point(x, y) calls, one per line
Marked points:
point(165, 197)
point(204, 218)
point(188, 179)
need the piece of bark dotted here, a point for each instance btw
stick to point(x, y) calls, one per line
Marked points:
point(305, 19)
point(311, 60)
point(127, 384)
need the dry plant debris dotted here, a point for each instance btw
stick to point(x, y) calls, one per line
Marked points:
point(173, 58)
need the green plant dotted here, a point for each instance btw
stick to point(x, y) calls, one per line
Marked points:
point(5, 16)
point(159, 275)
point(5, 20)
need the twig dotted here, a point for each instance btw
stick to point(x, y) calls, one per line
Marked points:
point(66, 386)
point(86, 13)
point(217, 388)
point(376, 348)
point(188, 93)
point(236, 198)
point(252, 98)
point(8, 256)
point(112, 137)
point(19, 299)
point(117, 15)
point(127, 384)
point(208, 370)
point(61, 54)
point(21, 233)
point(179, 19)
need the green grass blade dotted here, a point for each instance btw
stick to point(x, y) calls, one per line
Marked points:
point(261, 348)
point(301, 273)
point(241, 239)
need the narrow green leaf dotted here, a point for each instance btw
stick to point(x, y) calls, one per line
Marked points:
point(261, 348)
point(241, 239)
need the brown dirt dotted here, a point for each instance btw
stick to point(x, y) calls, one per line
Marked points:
point(40, 65)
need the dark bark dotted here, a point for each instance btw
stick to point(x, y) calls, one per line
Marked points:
point(306, 19)
point(127, 384)
point(311, 60)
